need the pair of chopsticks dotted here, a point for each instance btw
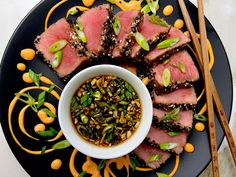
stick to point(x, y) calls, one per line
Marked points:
point(211, 91)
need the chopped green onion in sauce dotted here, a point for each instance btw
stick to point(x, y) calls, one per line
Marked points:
point(106, 110)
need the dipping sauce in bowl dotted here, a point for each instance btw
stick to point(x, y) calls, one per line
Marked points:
point(105, 111)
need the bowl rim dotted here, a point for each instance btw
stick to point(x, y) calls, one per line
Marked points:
point(86, 147)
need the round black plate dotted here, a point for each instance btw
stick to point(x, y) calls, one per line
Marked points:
point(191, 164)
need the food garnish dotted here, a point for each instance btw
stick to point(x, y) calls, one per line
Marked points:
point(116, 26)
point(142, 42)
point(154, 157)
point(61, 144)
point(166, 77)
point(106, 110)
point(57, 46)
point(168, 146)
point(168, 43)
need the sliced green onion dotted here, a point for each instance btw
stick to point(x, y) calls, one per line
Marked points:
point(81, 35)
point(108, 127)
point(146, 9)
point(101, 164)
point(48, 133)
point(43, 149)
point(162, 175)
point(49, 113)
point(73, 12)
point(166, 77)
point(168, 43)
point(111, 1)
point(153, 5)
point(173, 115)
point(167, 146)
point(157, 20)
point(79, 25)
point(51, 88)
point(181, 67)
point(154, 158)
point(61, 145)
point(57, 59)
point(82, 174)
point(41, 99)
point(173, 133)
point(116, 26)
point(134, 162)
point(58, 45)
point(84, 118)
point(141, 40)
point(200, 117)
point(35, 77)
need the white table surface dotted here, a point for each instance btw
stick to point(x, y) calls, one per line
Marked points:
point(222, 15)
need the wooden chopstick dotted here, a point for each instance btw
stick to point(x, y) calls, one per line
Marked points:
point(206, 73)
point(220, 110)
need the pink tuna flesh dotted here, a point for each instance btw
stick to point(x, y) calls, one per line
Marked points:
point(145, 152)
point(126, 19)
point(174, 33)
point(92, 21)
point(159, 136)
point(150, 31)
point(176, 74)
point(58, 31)
point(180, 96)
point(185, 117)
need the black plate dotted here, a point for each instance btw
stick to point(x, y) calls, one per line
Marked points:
point(191, 164)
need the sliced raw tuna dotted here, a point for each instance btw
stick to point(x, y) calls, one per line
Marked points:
point(70, 59)
point(185, 98)
point(145, 152)
point(158, 55)
point(152, 32)
point(97, 26)
point(183, 72)
point(129, 20)
point(156, 137)
point(183, 122)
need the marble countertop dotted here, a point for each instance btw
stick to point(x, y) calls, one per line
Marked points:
point(221, 14)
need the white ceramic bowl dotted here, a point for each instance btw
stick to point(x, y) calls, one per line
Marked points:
point(67, 125)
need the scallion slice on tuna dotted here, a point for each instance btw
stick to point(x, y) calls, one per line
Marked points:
point(168, 43)
point(57, 59)
point(157, 20)
point(166, 77)
point(173, 115)
point(153, 5)
point(82, 36)
point(181, 67)
point(73, 12)
point(57, 46)
point(141, 40)
point(154, 158)
point(173, 133)
point(168, 146)
point(116, 26)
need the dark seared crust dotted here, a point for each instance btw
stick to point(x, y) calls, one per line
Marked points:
point(129, 41)
point(170, 107)
point(163, 90)
point(169, 125)
point(165, 56)
point(108, 36)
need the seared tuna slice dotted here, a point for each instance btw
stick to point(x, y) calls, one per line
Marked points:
point(184, 98)
point(160, 138)
point(146, 152)
point(152, 32)
point(183, 72)
point(97, 27)
point(70, 59)
point(129, 20)
point(158, 55)
point(183, 120)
